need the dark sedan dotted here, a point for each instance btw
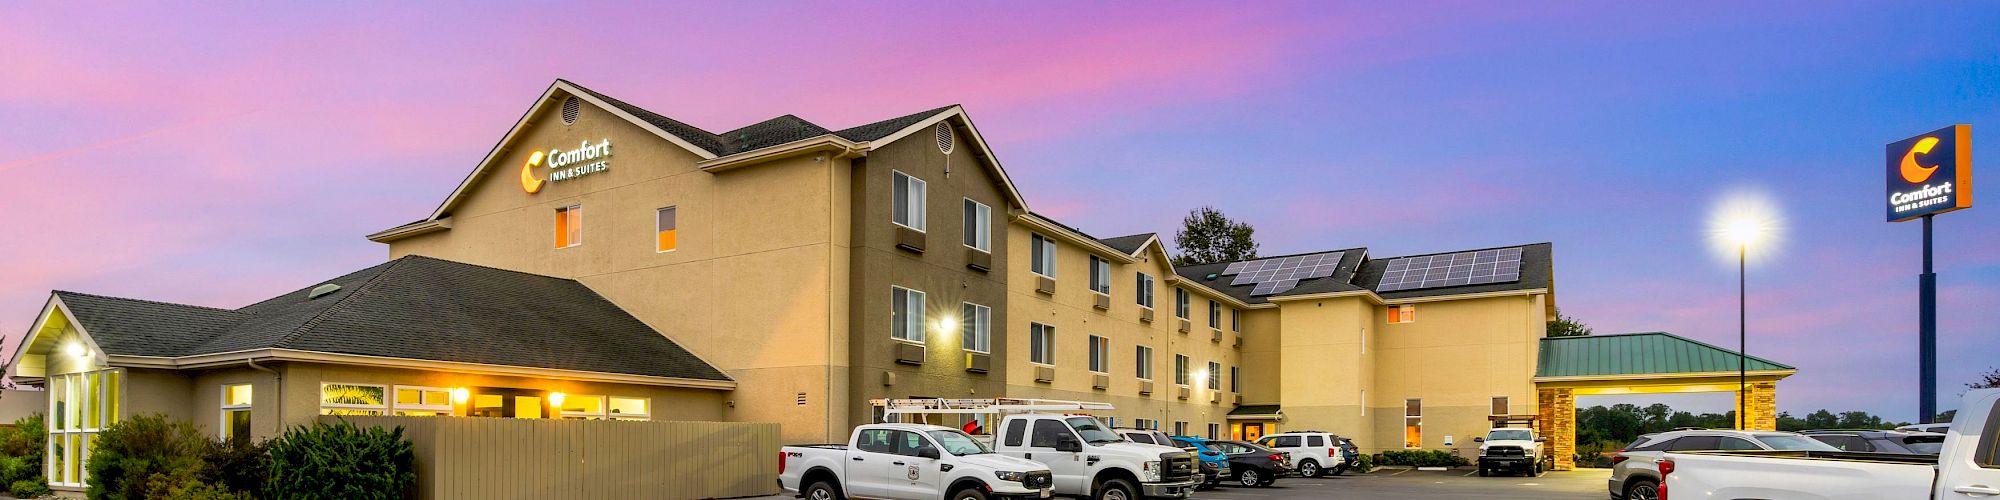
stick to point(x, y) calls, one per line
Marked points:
point(1913, 443)
point(1252, 465)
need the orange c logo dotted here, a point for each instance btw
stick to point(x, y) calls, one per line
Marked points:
point(1910, 169)
point(530, 184)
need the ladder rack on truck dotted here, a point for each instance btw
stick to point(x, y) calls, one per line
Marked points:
point(982, 410)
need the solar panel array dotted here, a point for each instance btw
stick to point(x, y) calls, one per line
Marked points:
point(1453, 269)
point(1276, 275)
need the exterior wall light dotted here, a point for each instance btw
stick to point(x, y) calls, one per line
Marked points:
point(556, 399)
point(74, 349)
point(460, 395)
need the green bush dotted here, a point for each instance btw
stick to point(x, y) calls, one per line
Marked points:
point(145, 455)
point(21, 450)
point(340, 461)
point(1422, 458)
point(1364, 463)
point(237, 466)
point(29, 488)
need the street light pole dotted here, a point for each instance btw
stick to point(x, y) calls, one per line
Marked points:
point(1742, 339)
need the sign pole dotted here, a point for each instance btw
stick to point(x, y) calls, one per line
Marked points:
point(1927, 335)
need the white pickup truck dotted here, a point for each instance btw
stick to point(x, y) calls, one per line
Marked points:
point(908, 462)
point(1087, 458)
point(1968, 467)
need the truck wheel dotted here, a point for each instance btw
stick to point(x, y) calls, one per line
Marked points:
point(1309, 468)
point(823, 490)
point(1115, 489)
point(969, 494)
point(1642, 489)
point(1249, 477)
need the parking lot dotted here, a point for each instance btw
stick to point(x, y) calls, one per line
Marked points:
point(1400, 484)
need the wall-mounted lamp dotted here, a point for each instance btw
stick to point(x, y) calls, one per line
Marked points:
point(74, 349)
point(556, 399)
point(460, 395)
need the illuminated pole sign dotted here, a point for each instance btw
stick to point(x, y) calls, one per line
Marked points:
point(586, 159)
point(1930, 174)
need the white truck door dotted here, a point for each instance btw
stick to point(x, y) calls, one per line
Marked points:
point(870, 469)
point(1971, 460)
point(1072, 476)
point(920, 475)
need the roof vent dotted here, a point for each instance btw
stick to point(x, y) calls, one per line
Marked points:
point(322, 290)
point(571, 107)
point(944, 137)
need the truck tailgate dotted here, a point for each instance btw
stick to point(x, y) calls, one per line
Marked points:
point(1798, 475)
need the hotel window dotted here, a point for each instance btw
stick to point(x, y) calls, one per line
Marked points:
point(1405, 313)
point(1235, 322)
point(977, 321)
point(1144, 287)
point(1235, 379)
point(1145, 423)
point(569, 226)
point(1041, 255)
point(1214, 376)
point(1413, 423)
point(236, 413)
point(1100, 275)
point(1214, 314)
point(666, 228)
point(978, 226)
point(630, 408)
point(1500, 405)
point(906, 317)
point(909, 210)
point(80, 405)
point(582, 407)
point(1100, 354)
point(1181, 303)
point(1041, 344)
point(353, 399)
point(413, 401)
point(1180, 428)
point(1144, 358)
point(1181, 369)
point(1213, 429)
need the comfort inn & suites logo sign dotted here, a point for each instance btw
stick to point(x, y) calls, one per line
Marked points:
point(586, 159)
point(1930, 173)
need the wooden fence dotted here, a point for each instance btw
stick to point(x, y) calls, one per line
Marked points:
point(465, 457)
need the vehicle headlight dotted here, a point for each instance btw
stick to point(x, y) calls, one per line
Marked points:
point(1015, 476)
point(1151, 470)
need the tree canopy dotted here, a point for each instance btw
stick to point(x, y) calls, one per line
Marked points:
point(1567, 326)
point(1207, 236)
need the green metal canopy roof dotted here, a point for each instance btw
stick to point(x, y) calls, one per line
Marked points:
point(1254, 410)
point(1638, 354)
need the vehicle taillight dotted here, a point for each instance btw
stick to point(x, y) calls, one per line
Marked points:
point(1277, 457)
point(781, 462)
point(1332, 452)
point(1615, 459)
point(1666, 467)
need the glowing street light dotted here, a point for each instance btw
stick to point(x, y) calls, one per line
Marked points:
point(1740, 221)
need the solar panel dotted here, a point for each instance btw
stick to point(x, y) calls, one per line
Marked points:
point(1278, 274)
point(1502, 265)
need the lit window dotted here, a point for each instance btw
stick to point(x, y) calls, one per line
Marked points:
point(236, 412)
point(1413, 423)
point(1144, 359)
point(1100, 354)
point(906, 318)
point(412, 401)
point(1404, 313)
point(1041, 344)
point(909, 210)
point(977, 321)
point(1214, 314)
point(353, 399)
point(576, 407)
point(569, 226)
point(1181, 303)
point(1100, 275)
point(1214, 376)
point(1181, 369)
point(666, 227)
point(978, 226)
point(629, 408)
point(1145, 290)
point(1041, 255)
point(79, 405)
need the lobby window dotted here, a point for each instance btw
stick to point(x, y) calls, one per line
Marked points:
point(236, 413)
point(79, 405)
point(909, 209)
point(978, 226)
point(977, 322)
point(353, 399)
point(906, 315)
point(1214, 314)
point(1413, 423)
point(1500, 405)
point(569, 226)
point(1041, 255)
point(1144, 359)
point(1235, 379)
point(630, 408)
point(414, 401)
point(1181, 369)
point(1214, 376)
point(1100, 275)
point(1041, 344)
point(1404, 313)
point(1100, 354)
point(576, 407)
point(1144, 287)
point(666, 230)
point(1181, 303)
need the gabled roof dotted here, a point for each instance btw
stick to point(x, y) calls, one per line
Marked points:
point(1646, 353)
point(1129, 244)
point(417, 308)
point(1341, 280)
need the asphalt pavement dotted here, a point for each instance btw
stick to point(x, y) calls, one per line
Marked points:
point(1582, 484)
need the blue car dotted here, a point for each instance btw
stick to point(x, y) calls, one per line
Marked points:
point(1209, 455)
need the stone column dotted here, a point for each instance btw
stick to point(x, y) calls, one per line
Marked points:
point(1558, 414)
point(1763, 407)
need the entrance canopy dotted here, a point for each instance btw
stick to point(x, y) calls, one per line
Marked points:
point(1646, 363)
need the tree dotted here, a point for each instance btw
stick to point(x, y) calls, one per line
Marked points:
point(1988, 380)
point(1207, 236)
point(1566, 326)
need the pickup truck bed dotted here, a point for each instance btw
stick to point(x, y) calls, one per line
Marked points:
point(1786, 474)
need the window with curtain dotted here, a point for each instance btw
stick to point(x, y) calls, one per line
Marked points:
point(569, 226)
point(666, 228)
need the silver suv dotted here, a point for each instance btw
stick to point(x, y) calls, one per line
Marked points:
point(1635, 473)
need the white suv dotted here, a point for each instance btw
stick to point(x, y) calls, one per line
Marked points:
point(1314, 453)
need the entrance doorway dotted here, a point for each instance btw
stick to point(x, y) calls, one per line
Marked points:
point(1248, 431)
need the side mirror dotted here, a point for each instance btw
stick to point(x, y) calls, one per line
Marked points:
point(1068, 444)
point(927, 452)
point(1541, 440)
point(1478, 440)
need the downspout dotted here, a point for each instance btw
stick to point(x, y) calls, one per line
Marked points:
point(280, 377)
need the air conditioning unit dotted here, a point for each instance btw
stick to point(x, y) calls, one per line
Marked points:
point(1146, 314)
point(1215, 336)
point(1145, 387)
point(1183, 392)
point(1045, 284)
point(1186, 326)
point(1045, 374)
point(1100, 381)
point(1103, 302)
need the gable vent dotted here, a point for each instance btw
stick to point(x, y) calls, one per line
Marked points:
point(322, 290)
point(571, 107)
point(945, 138)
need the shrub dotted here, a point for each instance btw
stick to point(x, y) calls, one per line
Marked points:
point(130, 456)
point(1364, 463)
point(21, 450)
point(1422, 458)
point(29, 488)
point(338, 461)
point(237, 466)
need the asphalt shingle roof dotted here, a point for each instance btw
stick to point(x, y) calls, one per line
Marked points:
point(1128, 244)
point(1360, 272)
point(412, 308)
point(763, 134)
point(1638, 354)
point(1256, 410)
